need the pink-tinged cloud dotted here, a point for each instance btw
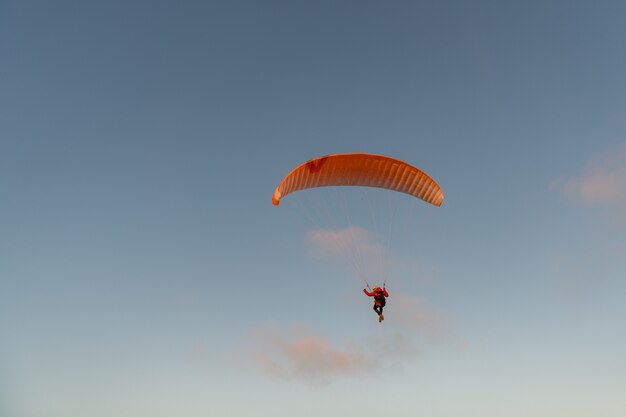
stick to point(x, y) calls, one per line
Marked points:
point(298, 353)
point(417, 314)
point(430, 324)
point(354, 247)
point(366, 253)
point(350, 241)
point(602, 182)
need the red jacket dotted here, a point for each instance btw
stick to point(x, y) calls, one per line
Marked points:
point(379, 296)
point(373, 293)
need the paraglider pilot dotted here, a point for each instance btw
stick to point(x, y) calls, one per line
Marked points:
point(379, 295)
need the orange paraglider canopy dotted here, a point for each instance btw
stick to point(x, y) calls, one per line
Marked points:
point(360, 169)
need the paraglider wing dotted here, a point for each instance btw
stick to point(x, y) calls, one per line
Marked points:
point(360, 169)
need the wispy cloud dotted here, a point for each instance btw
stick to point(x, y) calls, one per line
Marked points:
point(366, 253)
point(601, 183)
point(297, 352)
point(350, 241)
point(433, 324)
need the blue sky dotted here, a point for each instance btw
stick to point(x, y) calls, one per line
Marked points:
point(144, 270)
